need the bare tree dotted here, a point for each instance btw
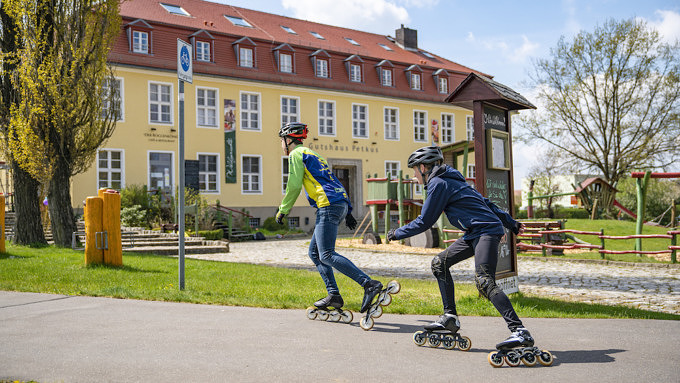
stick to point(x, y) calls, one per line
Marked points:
point(610, 99)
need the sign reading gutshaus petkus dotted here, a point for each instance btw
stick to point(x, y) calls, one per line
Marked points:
point(343, 148)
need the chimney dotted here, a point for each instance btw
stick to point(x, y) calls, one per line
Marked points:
point(407, 38)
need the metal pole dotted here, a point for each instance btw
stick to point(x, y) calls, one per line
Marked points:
point(180, 199)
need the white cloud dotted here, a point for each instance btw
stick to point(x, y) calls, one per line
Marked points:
point(377, 16)
point(526, 50)
point(470, 37)
point(668, 25)
point(512, 51)
point(419, 3)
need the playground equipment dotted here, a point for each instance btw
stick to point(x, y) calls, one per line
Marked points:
point(642, 182)
point(595, 195)
point(103, 243)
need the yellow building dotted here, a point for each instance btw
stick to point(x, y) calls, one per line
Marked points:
point(369, 101)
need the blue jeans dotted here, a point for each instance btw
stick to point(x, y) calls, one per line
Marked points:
point(322, 248)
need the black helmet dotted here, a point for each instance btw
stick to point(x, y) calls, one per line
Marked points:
point(425, 155)
point(296, 130)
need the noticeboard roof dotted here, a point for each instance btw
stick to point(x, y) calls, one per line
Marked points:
point(476, 87)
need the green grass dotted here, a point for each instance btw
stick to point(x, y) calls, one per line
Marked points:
point(618, 228)
point(61, 271)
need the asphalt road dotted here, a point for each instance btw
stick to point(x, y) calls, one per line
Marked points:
point(55, 338)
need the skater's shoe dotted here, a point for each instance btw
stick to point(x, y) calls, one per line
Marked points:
point(519, 337)
point(331, 300)
point(448, 322)
point(371, 289)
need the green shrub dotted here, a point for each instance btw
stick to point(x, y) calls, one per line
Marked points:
point(211, 235)
point(271, 225)
point(133, 216)
point(571, 212)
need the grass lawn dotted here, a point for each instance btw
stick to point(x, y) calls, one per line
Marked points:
point(148, 277)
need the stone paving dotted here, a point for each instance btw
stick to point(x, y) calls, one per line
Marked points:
point(646, 287)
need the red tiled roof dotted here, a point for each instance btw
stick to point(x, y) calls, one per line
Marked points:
point(267, 27)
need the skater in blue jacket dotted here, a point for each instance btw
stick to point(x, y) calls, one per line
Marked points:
point(482, 222)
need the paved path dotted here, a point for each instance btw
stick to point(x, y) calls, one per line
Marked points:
point(640, 286)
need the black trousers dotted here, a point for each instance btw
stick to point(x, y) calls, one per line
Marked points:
point(485, 251)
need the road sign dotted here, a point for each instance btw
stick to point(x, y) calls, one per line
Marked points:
point(184, 62)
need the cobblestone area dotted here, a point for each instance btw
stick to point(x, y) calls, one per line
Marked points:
point(645, 287)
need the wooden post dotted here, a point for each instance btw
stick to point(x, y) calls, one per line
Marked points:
point(3, 249)
point(387, 220)
point(374, 218)
point(673, 252)
point(94, 254)
point(111, 224)
point(593, 213)
point(602, 242)
point(641, 205)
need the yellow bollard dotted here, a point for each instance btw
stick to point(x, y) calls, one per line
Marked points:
point(111, 224)
point(2, 224)
point(94, 207)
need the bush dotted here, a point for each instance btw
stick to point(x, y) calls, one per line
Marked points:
point(149, 205)
point(211, 235)
point(133, 216)
point(571, 212)
point(271, 225)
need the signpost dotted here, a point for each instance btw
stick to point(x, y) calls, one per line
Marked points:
point(184, 73)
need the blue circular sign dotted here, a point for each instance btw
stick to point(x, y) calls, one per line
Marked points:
point(184, 59)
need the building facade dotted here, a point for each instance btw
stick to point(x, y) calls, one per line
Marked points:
point(369, 101)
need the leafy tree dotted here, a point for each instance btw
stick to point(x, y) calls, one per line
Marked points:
point(28, 227)
point(60, 120)
point(543, 174)
point(610, 100)
point(660, 194)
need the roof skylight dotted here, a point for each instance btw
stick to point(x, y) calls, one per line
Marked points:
point(352, 41)
point(289, 30)
point(385, 47)
point(238, 21)
point(427, 54)
point(175, 9)
point(318, 36)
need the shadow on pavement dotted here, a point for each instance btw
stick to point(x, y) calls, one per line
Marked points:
point(585, 356)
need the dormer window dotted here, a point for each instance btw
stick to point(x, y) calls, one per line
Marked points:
point(139, 34)
point(354, 66)
point(284, 55)
point(140, 42)
point(321, 62)
point(238, 21)
point(245, 52)
point(384, 69)
point(441, 79)
point(414, 77)
point(203, 43)
point(175, 9)
point(318, 36)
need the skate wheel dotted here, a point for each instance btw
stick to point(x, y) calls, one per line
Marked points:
point(419, 338)
point(512, 359)
point(346, 316)
point(529, 359)
point(464, 343)
point(495, 359)
point(393, 287)
point(322, 315)
point(386, 299)
point(377, 312)
point(433, 340)
point(334, 316)
point(545, 358)
point(311, 313)
point(366, 323)
point(449, 342)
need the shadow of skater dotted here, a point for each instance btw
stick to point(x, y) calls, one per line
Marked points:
point(585, 356)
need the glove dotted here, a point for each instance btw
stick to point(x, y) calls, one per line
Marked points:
point(390, 235)
point(518, 228)
point(279, 217)
point(350, 221)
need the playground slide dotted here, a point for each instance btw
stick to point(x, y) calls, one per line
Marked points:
point(623, 209)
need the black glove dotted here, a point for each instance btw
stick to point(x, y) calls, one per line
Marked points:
point(279, 217)
point(350, 221)
point(517, 228)
point(390, 235)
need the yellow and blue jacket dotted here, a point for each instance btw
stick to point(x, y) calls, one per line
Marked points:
point(307, 168)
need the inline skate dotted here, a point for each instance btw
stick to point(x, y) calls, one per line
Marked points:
point(329, 309)
point(445, 332)
point(375, 309)
point(519, 348)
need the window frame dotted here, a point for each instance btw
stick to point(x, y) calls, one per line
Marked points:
point(416, 82)
point(147, 47)
point(383, 72)
point(285, 173)
point(396, 123)
point(422, 128)
point(121, 96)
point(216, 108)
point(243, 60)
point(288, 114)
point(470, 127)
point(109, 170)
point(365, 121)
point(200, 57)
point(281, 62)
point(392, 174)
point(332, 118)
point(259, 174)
point(355, 69)
point(322, 68)
point(445, 81)
point(250, 111)
point(171, 103)
point(216, 172)
point(451, 128)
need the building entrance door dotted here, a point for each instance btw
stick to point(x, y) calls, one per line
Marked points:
point(161, 173)
point(343, 176)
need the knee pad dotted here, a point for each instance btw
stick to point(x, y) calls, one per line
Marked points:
point(438, 267)
point(485, 282)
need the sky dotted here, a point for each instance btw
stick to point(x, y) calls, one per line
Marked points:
point(496, 37)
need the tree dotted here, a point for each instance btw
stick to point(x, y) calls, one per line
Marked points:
point(60, 121)
point(610, 100)
point(543, 174)
point(28, 228)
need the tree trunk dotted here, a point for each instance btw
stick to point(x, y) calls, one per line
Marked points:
point(61, 211)
point(28, 227)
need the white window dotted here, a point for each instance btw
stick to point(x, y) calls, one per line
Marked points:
point(392, 169)
point(386, 77)
point(250, 111)
point(391, 121)
point(289, 30)
point(245, 57)
point(359, 121)
point(470, 128)
point(317, 35)
point(252, 174)
point(443, 85)
point(321, 68)
point(140, 42)
point(285, 172)
point(238, 21)
point(207, 173)
point(385, 47)
point(160, 103)
point(355, 73)
point(415, 81)
point(351, 41)
point(116, 102)
point(289, 110)
point(110, 169)
point(254, 222)
point(175, 9)
point(206, 107)
point(471, 172)
point(285, 63)
point(293, 222)
point(326, 118)
point(419, 126)
point(202, 51)
point(448, 128)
